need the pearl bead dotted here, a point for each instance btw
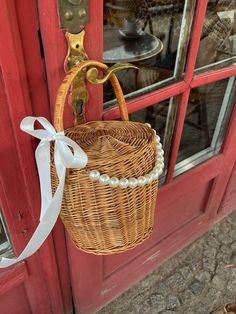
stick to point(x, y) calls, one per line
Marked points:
point(161, 152)
point(159, 169)
point(124, 183)
point(149, 178)
point(158, 138)
point(133, 183)
point(104, 179)
point(156, 175)
point(94, 175)
point(153, 175)
point(155, 170)
point(158, 147)
point(160, 159)
point(149, 125)
point(154, 131)
point(114, 182)
point(142, 181)
point(160, 172)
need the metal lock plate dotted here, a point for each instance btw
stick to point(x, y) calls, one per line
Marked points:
point(74, 15)
point(79, 93)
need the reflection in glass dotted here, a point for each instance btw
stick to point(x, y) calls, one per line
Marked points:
point(207, 118)
point(160, 117)
point(218, 41)
point(146, 33)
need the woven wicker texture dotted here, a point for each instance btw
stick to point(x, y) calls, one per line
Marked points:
point(98, 218)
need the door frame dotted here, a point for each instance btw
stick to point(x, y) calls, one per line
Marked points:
point(25, 93)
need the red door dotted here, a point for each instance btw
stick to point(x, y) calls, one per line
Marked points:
point(32, 286)
point(185, 88)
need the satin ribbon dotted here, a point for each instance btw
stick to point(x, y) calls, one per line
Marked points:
point(64, 158)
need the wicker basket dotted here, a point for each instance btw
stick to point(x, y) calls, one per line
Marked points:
point(101, 219)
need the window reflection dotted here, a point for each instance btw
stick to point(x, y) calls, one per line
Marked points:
point(161, 117)
point(218, 40)
point(146, 33)
point(155, 115)
point(207, 118)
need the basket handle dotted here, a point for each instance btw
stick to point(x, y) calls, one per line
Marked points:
point(65, 86)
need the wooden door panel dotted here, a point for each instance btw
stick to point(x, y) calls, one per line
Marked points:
point(171, 215)
point(172, 209)
point(229, 202)
point(13, 197)
point(19, 305)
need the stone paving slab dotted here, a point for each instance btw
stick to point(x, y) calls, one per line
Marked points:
point(198, 280)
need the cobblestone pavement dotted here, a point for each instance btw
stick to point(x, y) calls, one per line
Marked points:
point(198, 280)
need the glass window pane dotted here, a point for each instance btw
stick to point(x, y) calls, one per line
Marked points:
point(218, 41)
point(206, 121)
point(4, 241)
point(148, 34)
point(161, 117)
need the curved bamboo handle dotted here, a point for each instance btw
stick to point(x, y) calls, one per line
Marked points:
point(65, 86)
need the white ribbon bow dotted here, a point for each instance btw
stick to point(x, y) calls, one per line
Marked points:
point(64, 158)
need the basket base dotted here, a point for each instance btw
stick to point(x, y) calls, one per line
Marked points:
point(115, 250)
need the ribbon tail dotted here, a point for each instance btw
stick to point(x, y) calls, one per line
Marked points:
point(44, 228)
point(42, 155)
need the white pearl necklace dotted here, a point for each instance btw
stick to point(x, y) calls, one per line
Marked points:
point(124, 183)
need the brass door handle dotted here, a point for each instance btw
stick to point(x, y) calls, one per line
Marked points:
point(75, 55)
point(92, 73)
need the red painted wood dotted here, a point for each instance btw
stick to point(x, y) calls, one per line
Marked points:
point(219, 192)
point(86, 277)
point(95, 279)
point(228, 172)
point(23, 88)
point(12, 94)
point(13, 277)
point(195, 39)
point(55, 52)
point(229, 200)
point(168, 219)
point(54, 45)
point(54, 49)
point(36, 72)
point(228, 147)
point(147, 100)
point(34, 62)
point(211, 77)
point(166, 207)
point(93, 45)
point(13, 302)
point(182, 109)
